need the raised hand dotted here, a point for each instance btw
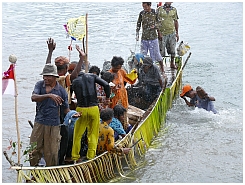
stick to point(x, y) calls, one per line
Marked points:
point(80, 51)
point(51, 44)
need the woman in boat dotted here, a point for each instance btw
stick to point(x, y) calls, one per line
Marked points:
point(198, 98)
point(119, 123)
point(120, 77)
point(106, 140)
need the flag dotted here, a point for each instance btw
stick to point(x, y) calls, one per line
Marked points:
point(8, 86)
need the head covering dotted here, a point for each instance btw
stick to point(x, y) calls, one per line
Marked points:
point(139, 57)
point(50, 69)
point(147, 61)
point(61, 60)
point(185, 89)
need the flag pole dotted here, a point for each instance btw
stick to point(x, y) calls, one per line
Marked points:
point(86, 67)
point(13, 59)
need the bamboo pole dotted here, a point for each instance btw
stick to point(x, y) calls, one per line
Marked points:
point(86, 62)
point(16, 115)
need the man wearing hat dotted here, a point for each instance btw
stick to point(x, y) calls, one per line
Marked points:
point(50, 98)
point(151, 79)
point(198, 98)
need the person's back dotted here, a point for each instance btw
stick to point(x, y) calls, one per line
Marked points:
point(85, 89)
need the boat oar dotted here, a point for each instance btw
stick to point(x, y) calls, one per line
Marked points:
point(186, 60)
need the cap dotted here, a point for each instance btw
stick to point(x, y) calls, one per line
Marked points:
point(50, 69)
point(185, 89)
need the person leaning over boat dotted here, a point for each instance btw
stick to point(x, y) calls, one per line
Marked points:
point(106, 140)
point(168, 30)
point(149, 39)
point(84, 87)
point(120, 77)
point(151, 79)
point(118, 123)
point(198, 98)
point(49, 96)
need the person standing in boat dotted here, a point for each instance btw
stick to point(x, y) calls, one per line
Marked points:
point(168, 30)
point(120, 77)
point(65, 80)
point(151, 79)
point(149, 39)
point(198, 98)
point(50, 98)
point(106, 141)
point(84, 87)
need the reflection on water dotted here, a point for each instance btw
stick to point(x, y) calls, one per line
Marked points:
point(198, 146)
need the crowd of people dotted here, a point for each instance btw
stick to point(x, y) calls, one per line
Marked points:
point(80, 115)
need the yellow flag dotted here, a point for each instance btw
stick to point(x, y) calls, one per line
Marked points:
point(77, 27)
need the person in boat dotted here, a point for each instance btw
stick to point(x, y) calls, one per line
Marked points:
point(151, 79)
point(106, 141)
point(119, 123)
point(84, 87)
point(198, 98)
point(168, 30)
point(65, 80)
point(120, 77)
point(149, 39)
point(50, 97)
point(69, 122)
point(108, 77)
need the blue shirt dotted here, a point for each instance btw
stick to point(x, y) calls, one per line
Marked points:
point(203, 103)
point(116, 125)
point(47, 112)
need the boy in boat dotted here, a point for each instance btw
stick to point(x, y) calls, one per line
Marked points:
point(119, 123)
point(198, 98)
point(106, 140)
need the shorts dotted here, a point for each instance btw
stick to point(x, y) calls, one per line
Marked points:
point(153, 47)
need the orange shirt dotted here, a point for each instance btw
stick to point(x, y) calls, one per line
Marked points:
point(121, 95)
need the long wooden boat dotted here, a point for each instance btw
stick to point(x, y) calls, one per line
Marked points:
point(109, 166)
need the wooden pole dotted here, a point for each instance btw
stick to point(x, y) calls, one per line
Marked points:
point(16, 115)
point(86, 62)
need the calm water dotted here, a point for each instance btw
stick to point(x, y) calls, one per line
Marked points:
point(199, 146)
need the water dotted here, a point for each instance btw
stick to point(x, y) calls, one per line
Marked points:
point(199, 146)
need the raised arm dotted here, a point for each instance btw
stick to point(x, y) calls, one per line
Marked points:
point(78, 67)
point(51, 48)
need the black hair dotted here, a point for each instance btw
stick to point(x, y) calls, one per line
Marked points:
point(107, 76)
point(106, 114)
point(95, 69)
point(148, 3)
point(119, 110)
point(116, 61)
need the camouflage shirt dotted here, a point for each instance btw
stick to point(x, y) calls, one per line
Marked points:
point(147, 19)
